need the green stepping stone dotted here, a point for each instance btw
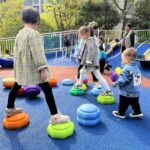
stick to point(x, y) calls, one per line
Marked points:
point(108, 100)
point(60, 131)
point(77, 92)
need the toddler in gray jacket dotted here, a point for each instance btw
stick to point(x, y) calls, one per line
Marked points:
point(89, 60)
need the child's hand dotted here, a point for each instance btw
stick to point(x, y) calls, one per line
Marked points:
point(43, 74)
point(88, 63)
point(113, 84)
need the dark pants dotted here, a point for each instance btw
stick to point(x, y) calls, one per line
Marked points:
point(123, 48)
point(78, 74)
point(102, 65)
point(48, 95)
point(126, 101)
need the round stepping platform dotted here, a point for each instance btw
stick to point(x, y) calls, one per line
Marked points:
point(60, 131)
point(76, 91)
point(32, 90)
point(8, 82)
point(67, 82)
point(96, 91)
point(16, 121)
point(52, 82)
point(108, 100)
point(88, 115)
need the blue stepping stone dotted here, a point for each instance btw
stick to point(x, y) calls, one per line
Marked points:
point(88, 115)
point(96, 91)
point(67, 82)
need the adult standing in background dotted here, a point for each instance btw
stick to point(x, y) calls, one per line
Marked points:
point(128, 38)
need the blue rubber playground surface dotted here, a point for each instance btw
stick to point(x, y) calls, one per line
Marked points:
point(111, 133)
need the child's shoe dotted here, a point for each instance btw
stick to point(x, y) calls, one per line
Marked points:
point(134, 115)
point(107, 93)
point(11, 111)
point(59, 118)
point(97, 85)
point(78, 86)
point(116, 113)
point(108, 67)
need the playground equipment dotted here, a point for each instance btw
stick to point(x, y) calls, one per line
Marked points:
point(145, 59)
point(6, 63)
point(112, 45)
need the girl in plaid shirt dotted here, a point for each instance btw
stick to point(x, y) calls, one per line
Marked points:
point(30, 66)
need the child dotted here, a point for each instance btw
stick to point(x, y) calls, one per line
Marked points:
point(102, 58)
point(30, 66)
point(7, 55)
point(94, 32)
point(129, 83)
point(67, 44)
point(79, 48)
point(89, 60)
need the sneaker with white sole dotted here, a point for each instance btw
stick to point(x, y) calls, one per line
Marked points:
point(59, 118)
point(134, 115)
point(116, 113)
point(78, 86)
point(107, 93)
point(97, 85)
point(12, 111)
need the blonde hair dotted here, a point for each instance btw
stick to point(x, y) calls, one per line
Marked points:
point(130, 53)
point(84, 30)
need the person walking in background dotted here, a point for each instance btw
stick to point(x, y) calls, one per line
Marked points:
point(128, 38)
point(67, 45)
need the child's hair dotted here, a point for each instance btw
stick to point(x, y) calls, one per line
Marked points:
point(130, 53)
point(102, 39)
point(7, 51)
point(91, 32)
point(30, 15)
point(129, 25)
point(93, 25)
point(101, 47)
point(84, 30)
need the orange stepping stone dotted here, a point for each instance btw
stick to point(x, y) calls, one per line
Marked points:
point(52, 82)
point(16, 121)
point(8, 82)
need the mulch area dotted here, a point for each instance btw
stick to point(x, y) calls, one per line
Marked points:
point(63, 72)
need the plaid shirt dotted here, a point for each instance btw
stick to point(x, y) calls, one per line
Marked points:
point(29, 57)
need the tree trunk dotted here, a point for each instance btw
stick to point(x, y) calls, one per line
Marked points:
point(124, 13)
point(123, 23)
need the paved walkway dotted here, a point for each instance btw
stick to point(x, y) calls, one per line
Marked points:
point(63, 72)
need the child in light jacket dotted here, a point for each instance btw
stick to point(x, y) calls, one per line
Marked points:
point(30, 66)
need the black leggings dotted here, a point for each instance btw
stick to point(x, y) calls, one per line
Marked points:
point(48, 95)
point(102, 63)
point(78, 74)
point(126, 101)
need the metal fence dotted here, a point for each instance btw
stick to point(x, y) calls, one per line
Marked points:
point(55, 41)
